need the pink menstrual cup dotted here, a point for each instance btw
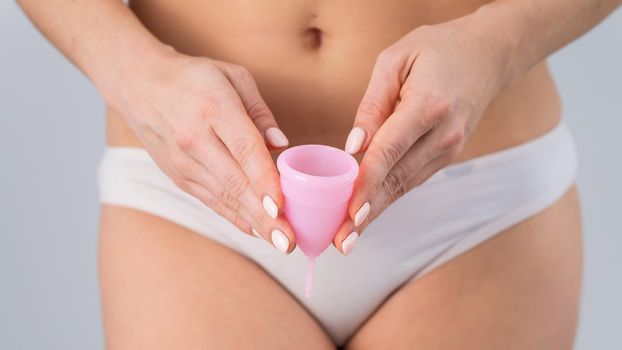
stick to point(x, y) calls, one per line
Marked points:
point(316, 181)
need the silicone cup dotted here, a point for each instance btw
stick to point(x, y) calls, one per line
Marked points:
point(316, 181)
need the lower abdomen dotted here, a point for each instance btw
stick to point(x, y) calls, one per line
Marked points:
point(312, 61)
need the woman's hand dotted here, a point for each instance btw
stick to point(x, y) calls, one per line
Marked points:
point(204, 123)
point(425, 96)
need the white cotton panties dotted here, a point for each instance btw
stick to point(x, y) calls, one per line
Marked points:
point(456, 209)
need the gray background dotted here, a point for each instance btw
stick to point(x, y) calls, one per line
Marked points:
point(51, 137)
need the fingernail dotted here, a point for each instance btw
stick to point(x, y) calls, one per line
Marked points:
point(270, 207)
point(276, 137)
point(255, 233)
point(279, 240)
point(348, 244)
point(361, 214)
point(355, 140)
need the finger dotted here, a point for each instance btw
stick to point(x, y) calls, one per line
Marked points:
point(257, 109)
point(346, 237)
point(379, 100)
point(210, 192)
point(203, 185)
point(383, 201)
point(246, 145)
point(191, 177)
point(439, 141)
point(407, 124)
point(207, 198)
point(198, 190)
point(384, 198)
point(279, 232)
point(235, 191)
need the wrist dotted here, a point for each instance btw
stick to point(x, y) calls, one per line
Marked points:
point(502, 30)
point(119, 76)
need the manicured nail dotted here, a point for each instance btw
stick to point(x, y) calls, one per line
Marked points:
point(279, 240)
point(255, 233)
point(276, 137)
point(270, 207)
point(355, 140)
point(361, 214)
point(348, 244)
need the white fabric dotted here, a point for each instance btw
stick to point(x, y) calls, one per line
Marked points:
point(459, 207)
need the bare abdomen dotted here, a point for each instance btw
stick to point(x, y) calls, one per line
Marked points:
point(312, 61)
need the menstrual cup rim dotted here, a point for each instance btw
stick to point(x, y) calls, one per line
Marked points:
point(344, 178)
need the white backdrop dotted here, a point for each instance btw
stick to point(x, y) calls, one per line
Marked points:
point(48, 201)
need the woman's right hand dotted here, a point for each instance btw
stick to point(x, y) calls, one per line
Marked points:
point(204, 122)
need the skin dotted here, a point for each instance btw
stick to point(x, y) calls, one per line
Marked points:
point(425, 96)
point(511, 292)
point(162, 290)
point(204, 139)
point(419, 110)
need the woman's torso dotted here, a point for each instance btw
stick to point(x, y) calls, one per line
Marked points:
point(312, 61)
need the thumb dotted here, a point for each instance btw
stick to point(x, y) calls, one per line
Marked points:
point(255, 106)
point(378, 101)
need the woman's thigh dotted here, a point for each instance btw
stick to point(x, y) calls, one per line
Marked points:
point(519, 290)
point(165, 287)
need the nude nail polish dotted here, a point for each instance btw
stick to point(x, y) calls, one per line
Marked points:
point(279, 240)
point(270, 206)
point(276, 137)
point(348, 244)
point(355, 140)
point(361, 214)
point(255, 233)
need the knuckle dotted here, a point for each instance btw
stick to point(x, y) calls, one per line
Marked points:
point(394, 186)
point(371, 107)
point(240, 73)
point(233, 188)
point(266, 177)
point(387, 57)
point(208, 106)
point(259, 111)
point(186, 139)
point(391, 153)
point(243, 71)
point(442, 104)
point(424, 121)
point(227, 199)
point(243, 150)
point(452, 139)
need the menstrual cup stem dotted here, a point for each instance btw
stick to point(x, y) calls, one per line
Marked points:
point(309, 284)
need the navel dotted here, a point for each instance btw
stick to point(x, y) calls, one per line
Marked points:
point(312, 38)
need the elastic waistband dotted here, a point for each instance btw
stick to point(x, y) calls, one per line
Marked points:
point(553, 143)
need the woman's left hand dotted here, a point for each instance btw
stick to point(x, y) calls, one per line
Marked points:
point(424, 98)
